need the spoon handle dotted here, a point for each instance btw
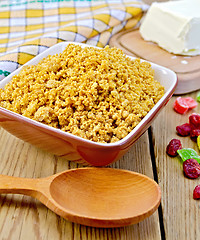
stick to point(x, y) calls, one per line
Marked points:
point(18, 185)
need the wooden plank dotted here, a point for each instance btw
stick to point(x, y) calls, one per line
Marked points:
point(22, 217)
point(180, 211)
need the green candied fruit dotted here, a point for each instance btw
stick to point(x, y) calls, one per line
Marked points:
point(188, 153)
point(198, 96)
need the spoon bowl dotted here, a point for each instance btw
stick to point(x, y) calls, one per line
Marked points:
point(98, 197)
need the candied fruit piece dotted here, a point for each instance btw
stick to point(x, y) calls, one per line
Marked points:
point(173, 146)
point(198, 97)
point(191, 168)
point(180, 106)
point(194, 121)
point(184, 129)
point(190, 102)
point(187, 153)
point(194, 133)
point(196, 192)
point(198, 142)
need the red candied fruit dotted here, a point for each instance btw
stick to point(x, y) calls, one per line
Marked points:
point(180, 106)
point(173, 146)
point(196, 192)
point(190, 102)
point(194, 121)
point(191, 168)
point(194, 133)
point(184, 129)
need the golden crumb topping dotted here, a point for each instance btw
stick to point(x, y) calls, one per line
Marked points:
point(97, 94)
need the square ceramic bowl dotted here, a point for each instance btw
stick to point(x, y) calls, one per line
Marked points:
point(72, 147)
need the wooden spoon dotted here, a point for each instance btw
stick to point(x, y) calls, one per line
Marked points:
point(98, 197)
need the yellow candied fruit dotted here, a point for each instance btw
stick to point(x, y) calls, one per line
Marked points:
point(198, 142)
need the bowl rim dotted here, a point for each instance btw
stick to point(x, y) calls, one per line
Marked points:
point(121, 142)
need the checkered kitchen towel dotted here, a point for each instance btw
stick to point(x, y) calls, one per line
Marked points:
point(28, 27)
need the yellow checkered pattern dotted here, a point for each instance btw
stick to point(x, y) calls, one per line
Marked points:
point(29, 27)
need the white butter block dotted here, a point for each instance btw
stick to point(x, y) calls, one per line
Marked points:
point(174, 26)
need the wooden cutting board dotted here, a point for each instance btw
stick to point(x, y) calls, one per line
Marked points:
point(187, 68)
